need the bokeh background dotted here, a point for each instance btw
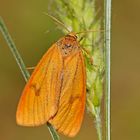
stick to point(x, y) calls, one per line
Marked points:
point(34, 32)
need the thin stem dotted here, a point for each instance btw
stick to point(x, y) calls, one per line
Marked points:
point(98, 123)
point(107, 50)
point(21, 65)
point(14, 50)
point(53, 132)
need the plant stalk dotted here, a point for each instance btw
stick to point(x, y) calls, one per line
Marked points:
point(107, 62)
point(98, 123)
point(14, 50)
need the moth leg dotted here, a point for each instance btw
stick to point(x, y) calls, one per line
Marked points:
point(30, 68)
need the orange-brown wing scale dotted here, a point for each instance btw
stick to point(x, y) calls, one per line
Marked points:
point(72, 100)
point(40, 97)
point(55, 93)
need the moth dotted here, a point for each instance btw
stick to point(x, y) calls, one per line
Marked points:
point(56, 90)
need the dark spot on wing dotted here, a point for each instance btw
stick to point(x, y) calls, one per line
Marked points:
point(36, 89)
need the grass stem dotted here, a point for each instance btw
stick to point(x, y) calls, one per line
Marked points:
point(107, 56)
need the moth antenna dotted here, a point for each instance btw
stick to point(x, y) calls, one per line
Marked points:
point(84, 32)
point(90, 31)
point(57, 21)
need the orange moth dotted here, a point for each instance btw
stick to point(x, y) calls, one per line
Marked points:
point(55, 92)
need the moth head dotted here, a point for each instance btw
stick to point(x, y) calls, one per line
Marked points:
point(68, 44)
point(73, 35)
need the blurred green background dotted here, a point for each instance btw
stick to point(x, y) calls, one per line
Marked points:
point(34, 32)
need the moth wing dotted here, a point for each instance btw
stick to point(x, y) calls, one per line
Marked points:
point(72, 100)
point(40, 97)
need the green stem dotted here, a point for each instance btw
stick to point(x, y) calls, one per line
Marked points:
point(14, 50)
point(98, 123)
point(21, 65)
point(53, 132)
point(107, 56)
